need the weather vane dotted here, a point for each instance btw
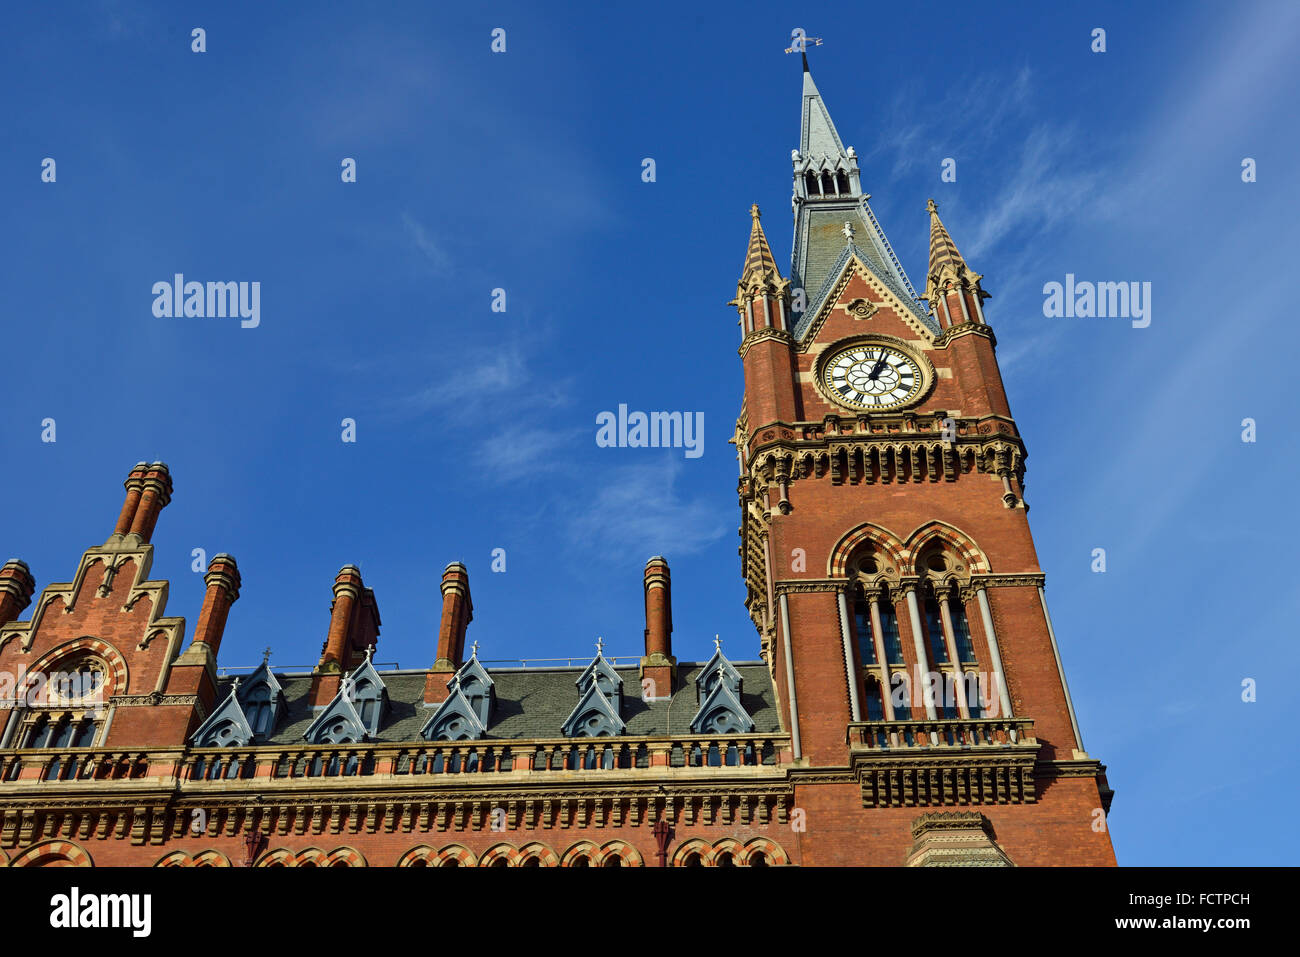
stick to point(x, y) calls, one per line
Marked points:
point(799, 41)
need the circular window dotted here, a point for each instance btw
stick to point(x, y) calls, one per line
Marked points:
point(80, 678)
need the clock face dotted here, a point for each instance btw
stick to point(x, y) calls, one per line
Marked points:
point(870, 376)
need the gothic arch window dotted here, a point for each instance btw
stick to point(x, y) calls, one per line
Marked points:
point(810, 183)
point(944, 573)
point(842, 179)
point(828, 184)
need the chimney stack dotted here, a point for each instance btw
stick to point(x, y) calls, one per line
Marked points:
point(148, 490)
point(658, 667)
point(223, 584)
point(457, 613)
point(354, 627)
point(16, 587)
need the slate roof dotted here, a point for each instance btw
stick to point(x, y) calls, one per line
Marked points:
point(532, 703)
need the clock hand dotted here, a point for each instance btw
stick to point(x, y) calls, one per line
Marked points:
point(875, 370)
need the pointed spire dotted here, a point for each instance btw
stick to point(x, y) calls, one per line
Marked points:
point(828, 192)
point(946, 264)
point(818, 136)
point(760, 264)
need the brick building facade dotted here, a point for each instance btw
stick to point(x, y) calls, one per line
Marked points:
point(907, 704)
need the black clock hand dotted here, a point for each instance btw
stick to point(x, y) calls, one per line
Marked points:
point(875, 370)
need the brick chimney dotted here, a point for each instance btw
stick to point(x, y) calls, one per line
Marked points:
point(223, 584)
point(16, 587)
point(354, 627)
point(148, 490)
point(658, 667)
point(457, 613)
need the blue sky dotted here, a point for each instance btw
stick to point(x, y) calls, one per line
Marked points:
point(522, 170)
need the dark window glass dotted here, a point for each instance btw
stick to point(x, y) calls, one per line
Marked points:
point(934, 627)
point(889, 625)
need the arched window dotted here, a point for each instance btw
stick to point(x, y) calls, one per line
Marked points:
point(842, 179)
point(828, 184)
point(810, 183)
point(934, 629)
point(889, 628)
point(862, 628)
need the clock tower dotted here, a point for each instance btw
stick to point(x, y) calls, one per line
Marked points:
point(890, 569)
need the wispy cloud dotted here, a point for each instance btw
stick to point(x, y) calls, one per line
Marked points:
point(639, 510)
point(431, 251)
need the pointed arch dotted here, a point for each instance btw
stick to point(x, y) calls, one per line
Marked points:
point(773, 854)
point(694, 852)
point(583, 850)
point(418, 856)
point(53, 854)
point(116, 675)
point(345, 857)
point(210, 859)
point(883, 540)
point(949, 536)
point(544, 856)
point(626, 854)
point(726, 852)
point(311, 857)
point(499, 855)
point(453, 855)
point(277, 858)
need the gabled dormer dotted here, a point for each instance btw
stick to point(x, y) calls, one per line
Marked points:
point(594, 716)
point(356, 712)
point(477, 687)
point(721, 712)
point(339, 723)
point(368, 694)
point(455, 720)
point(602, 675)
point(262, 700)
point(718, 669)
point(226, 727)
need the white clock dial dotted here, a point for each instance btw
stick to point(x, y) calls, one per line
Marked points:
point(870, 376)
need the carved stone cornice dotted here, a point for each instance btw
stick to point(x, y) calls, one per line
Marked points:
point(964, 329)
point(763, 335)
point(803, 585)
point(991, 580)
point(158, 698)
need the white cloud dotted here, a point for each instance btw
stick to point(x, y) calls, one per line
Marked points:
point(638, 511)
point(429, 249)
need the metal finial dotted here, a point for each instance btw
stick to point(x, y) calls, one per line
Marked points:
point(266, 654)
point(600, 646)
point(473, 650)
point(717, 643)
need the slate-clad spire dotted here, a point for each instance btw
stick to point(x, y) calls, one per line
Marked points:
point(818, 136)
point(827, 194)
